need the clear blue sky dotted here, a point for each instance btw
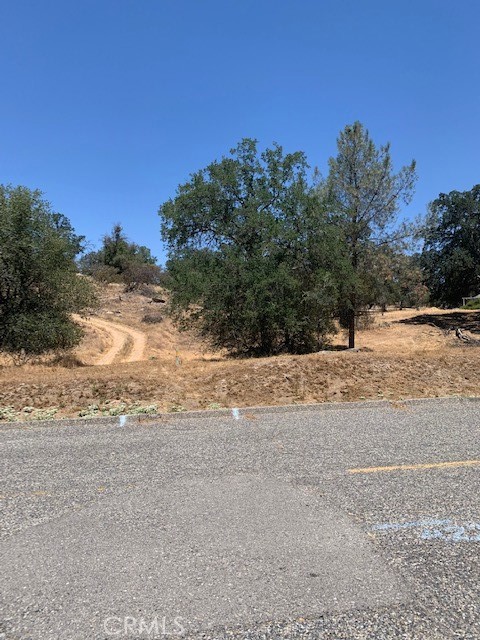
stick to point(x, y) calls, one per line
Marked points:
point(106, 105)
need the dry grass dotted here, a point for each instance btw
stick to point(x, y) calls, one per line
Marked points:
point(409, 355)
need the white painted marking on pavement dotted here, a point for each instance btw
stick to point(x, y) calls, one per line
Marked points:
point(432, 529)
point(236, 414)
point(397, 526)
point(122, 420)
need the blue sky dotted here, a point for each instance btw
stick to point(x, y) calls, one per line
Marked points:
point(107, 105)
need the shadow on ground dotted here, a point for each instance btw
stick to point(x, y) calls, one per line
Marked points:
point(467, 321)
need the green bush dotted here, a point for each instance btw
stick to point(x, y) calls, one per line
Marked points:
point(39, 284)
point(472, 304)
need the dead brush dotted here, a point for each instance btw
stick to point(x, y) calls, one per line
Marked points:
point(153, 318)
point(66, 360)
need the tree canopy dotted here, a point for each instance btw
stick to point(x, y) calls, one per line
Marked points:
point(254, 264)
point(451, 252)
point(39, 286)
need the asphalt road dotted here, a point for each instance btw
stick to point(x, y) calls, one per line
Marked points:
point(357, 521)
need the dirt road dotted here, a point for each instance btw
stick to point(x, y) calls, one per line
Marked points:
point(128, 345)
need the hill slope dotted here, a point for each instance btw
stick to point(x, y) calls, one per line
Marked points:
point(145, 359)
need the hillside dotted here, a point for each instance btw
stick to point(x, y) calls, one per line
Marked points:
point(145, 327)
point(133, 355)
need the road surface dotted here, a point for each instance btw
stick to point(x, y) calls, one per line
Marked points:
point(330, 522)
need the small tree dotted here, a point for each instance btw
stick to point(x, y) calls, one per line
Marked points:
point(393, 277)
point(39, 286)
point(364, 196)
point(253, 263)
point(137, 274)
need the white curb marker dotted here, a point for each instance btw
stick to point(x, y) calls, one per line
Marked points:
point(122, 420)
point(236, 414)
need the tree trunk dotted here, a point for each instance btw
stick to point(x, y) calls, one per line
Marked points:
point(351, 329)
point(353, 297)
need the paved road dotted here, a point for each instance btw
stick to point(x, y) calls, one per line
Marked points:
point(334, 522)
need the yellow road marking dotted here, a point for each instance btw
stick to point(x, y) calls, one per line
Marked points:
point(418, 467)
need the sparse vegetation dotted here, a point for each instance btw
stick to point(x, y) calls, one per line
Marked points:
point(177, 408)
point(402, 354)
point(9, 414)
point(111, 409)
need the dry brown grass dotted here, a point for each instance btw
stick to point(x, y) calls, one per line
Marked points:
point(407, 357)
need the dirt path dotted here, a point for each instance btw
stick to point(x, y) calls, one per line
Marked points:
point(120, 335)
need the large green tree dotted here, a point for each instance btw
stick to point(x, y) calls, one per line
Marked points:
point(254, 265)
point(451, 252)
point(39, 285)
point(364, 196)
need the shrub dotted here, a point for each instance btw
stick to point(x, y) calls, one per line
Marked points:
point(105, 273)
point(473, 304)
point(67, 360)
point(152, 318)
point(136, 275)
